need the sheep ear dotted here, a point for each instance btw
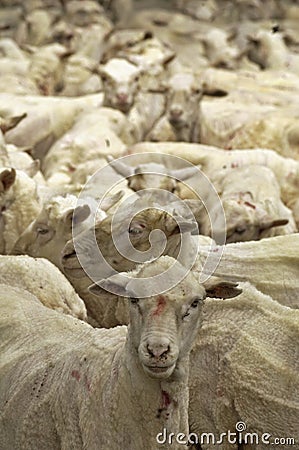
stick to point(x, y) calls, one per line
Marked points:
point(108, 202)
point(9, 123)
point(185, 173)
point(120, 167)
point(267, 224)
point(216, 288)
point(116, 284)
point(7, 179)
point(78, 215)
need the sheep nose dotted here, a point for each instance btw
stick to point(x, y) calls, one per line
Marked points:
point(176, 112)
point(122, 97)
point(158, 350)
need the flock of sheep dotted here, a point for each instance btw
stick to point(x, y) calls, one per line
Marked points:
point(149, 214)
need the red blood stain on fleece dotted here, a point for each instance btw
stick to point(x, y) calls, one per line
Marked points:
point(165, 399)
point(161, 303)
point(165, 403)
point(76, 374)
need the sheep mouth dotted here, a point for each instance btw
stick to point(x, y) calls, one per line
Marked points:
point(159, 371)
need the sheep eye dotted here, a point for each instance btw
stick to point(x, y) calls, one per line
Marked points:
point(135, 231)
point(240, 230)
point(196, 91)
point(195, 303)
point(42, 230)
point(134, 300)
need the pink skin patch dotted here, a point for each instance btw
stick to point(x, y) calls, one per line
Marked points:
point(161, 303)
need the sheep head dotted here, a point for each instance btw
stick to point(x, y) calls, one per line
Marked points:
point(245, 220)
point(164, 325)
point(46, 236)
point(124, 237)
point(120, 83)
point(151, 175)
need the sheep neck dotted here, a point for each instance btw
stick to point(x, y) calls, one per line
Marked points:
point(146, 403)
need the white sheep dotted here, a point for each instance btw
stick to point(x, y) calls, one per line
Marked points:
point(68, 385)
point(47, 118)
point(151, 175)
point(268, 49)
point(271, 265)
point(183, 94)
point(250, 197)
point(220, 52)
point(213, 159)
point(87, 141)
point(244, 368)
point(83, 14)
point(47, 235)
point(19, 205)
point(117, 243)
point(122, 90)
point(43, 280)
point(120, 83)
point(46, 68)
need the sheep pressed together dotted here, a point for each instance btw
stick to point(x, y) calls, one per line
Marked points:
point(149, 214)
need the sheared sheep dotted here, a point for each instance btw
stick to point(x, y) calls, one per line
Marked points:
point(43, 280)
point(48, 118)
point(244, 368)
point(268, 49)
point(19, 205)
point(122, 90)
point(271, 265)
point(151, 175)
point(87, 141)
point(250, 197)
point(47, 235)
point(213, 159)
point(68, 385)
point(183, 94)
point(117, 243)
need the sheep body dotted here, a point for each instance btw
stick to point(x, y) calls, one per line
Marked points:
point(244, 367)
point(271, 265)
point(251, 200)
point(77, 395)
point(212, 159)
point(52, 290)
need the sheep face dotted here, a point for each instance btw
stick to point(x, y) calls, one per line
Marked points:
point(164, 328)
point(46, 236)
point(247, 221)
point(84, 13)
point(183, 99)
point(163, 325)
point(120, 83)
